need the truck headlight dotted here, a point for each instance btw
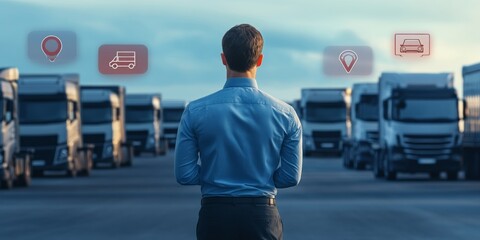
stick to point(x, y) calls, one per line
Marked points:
point(62, 155)
point(107, 150)
point(151, 140)
point(308, 141)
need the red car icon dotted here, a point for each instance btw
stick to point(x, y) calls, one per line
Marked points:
point(411, 45)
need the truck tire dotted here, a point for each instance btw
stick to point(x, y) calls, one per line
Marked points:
point(389, 174)
point(25, 178)
point(376, 168)
point(7, 183)
point(72, 170)
point(88, 164)
point(164, 147)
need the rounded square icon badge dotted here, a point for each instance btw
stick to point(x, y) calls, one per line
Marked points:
point(52, 47)
point(122, 59)
point(348, 61)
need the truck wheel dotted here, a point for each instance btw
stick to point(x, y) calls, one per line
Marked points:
point(88, 162)
point(389, 174)
point(453, 175)
point(129, 161)
point(116, 162)
point(346, 160)
point(7, 183)
point(72, 171)
point(25, 179)
point(164, 147)
point(377, 171)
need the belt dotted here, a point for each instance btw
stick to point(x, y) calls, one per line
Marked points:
point(239, 200)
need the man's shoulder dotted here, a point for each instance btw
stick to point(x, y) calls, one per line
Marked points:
point(203, 101)
point(277, 103)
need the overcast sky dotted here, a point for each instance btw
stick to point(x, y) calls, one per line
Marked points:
point(184, 38)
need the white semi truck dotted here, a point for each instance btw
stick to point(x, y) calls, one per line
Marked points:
point(358, 152)
point(419, 126)
point(172, 112)
point(324, 119)
point(103, 125)
point(144, 123)
point(51, 124)
point(471, 134)
point(14, 162)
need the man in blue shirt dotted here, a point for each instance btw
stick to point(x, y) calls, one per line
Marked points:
point(239, 144)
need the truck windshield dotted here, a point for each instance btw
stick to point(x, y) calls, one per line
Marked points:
point(139, 114)
point(172, 114)
point(425, 110)
point(326, 112)
point(367, 108)
point(93, 115)
point(42, 111)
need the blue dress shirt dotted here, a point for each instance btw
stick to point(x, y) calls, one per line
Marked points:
point(239, 142)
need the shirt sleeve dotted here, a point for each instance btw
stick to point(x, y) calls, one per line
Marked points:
point(291, 157)
point(187, 171)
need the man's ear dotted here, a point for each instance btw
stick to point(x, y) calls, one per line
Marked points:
point(224, 60)
point(260, 60)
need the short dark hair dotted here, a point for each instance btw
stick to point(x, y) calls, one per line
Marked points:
point(242, 46)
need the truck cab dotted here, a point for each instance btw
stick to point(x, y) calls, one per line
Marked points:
point(15, 163)
point(419, 125)
point(143, 119)
point(324, 120)
point(51, 124)
point(103, 125)
point(358, 152)
point(172, 113)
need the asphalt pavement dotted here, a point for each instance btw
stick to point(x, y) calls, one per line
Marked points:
point(145, 202)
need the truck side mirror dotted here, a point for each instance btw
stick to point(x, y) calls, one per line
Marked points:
point(465, 109)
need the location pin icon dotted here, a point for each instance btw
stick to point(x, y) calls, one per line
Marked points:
point(51, 47)
point(348, 58)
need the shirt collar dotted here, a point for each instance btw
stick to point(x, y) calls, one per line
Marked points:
point(241, 82)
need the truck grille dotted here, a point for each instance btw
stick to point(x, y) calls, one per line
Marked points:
point(46, 154)
point(327, 134)
point(372, 136)
point(94, 138)
point(170, 130)
point(38, 141)
point(427, 146)
point(135, 135)
point(327, 139)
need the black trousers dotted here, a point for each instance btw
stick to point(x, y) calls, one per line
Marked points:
point(235, 221)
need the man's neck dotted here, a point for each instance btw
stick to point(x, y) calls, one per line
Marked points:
point(248, 74)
